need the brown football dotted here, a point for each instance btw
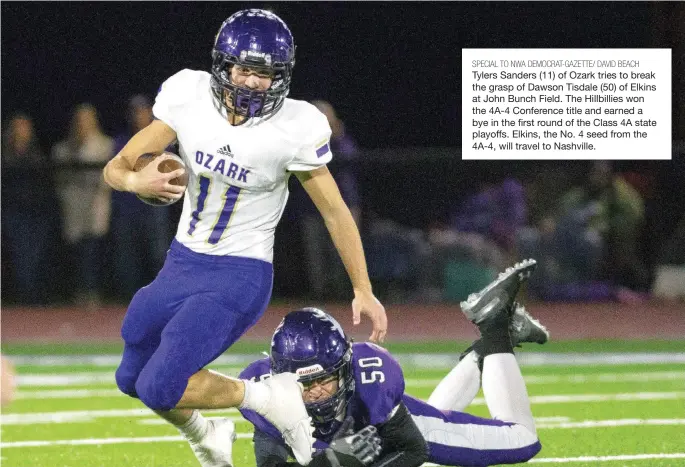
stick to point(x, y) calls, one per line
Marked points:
point(166, 166)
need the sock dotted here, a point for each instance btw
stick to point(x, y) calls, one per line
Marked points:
point(477, 347)
point(257, 395)
point(195, 428)
point(495, 338)
point(505, 391)
point(458, 389)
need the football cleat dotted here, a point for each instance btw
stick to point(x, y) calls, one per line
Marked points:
point(524, 328)
point(286, 411)
point(499, 295)
point(215, 449)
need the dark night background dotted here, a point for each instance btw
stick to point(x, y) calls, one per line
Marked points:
point(392, 70)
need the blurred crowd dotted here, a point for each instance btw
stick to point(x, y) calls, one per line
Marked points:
point(68, 238)
point(66, 235)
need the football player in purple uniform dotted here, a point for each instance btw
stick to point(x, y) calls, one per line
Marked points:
point(354, 392)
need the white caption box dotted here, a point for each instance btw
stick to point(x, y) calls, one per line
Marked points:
point(575, 104)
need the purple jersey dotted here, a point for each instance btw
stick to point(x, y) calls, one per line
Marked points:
point(379, 384)
point(379, 388)
point(453, 438)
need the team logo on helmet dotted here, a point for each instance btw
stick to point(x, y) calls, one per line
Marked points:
point(254, 55)
point(309, 370)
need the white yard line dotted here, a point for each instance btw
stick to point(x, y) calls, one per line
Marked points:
point(176, 439)
point(422, 360)
point(237, 360)
point(642, 377)
point(64, 379)
point(81, 379)
point(543, 358)
point(551, 419)
point(624, 457)
point(160, 421)
point(540, 422)
point(68, 394)
point(81, 416)
point(627, 396)
point(91, 442)
point(613, 423)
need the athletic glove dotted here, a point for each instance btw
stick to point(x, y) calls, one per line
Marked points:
point(349, 449)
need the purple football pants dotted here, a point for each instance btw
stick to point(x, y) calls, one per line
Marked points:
point(460, 439)
point(194, 310)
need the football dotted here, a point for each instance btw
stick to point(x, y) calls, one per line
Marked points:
point(166, 166)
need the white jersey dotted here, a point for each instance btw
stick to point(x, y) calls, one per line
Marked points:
point(238, 183)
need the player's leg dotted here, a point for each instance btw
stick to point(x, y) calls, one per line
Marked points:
point(503, 386)
point(458, 389)
point(202, 295)
point(150, 310)
point(223, 299)
point(145, 318)
point(174, 378)
point(459, 439)
point(207, 322)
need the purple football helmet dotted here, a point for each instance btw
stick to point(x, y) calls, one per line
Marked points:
point(256, 39)
point(312, 344)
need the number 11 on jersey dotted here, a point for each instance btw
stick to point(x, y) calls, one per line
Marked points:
point(223, 220)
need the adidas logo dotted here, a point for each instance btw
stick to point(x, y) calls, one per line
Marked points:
point(225, 151)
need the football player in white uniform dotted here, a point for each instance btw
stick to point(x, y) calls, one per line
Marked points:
point(240, 139)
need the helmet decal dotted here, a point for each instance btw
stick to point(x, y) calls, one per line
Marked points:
point(308, 370)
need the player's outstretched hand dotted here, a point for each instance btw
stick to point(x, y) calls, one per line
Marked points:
point(351, 449)
point(151, 183)
point(366, 303)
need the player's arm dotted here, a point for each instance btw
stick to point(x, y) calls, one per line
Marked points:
point(403, 444)
point(322, 189)
point(148, 182)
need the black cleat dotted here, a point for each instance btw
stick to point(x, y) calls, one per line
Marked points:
point(498, 297)
point(524, 328)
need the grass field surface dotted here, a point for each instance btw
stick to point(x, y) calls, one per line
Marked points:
point(596, 403)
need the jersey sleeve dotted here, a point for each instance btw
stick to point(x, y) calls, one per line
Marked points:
point(174, 93)
point(379, 381)
point(315, 151)
point(257, 371)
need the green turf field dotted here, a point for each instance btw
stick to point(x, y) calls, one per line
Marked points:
point(596, 403)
